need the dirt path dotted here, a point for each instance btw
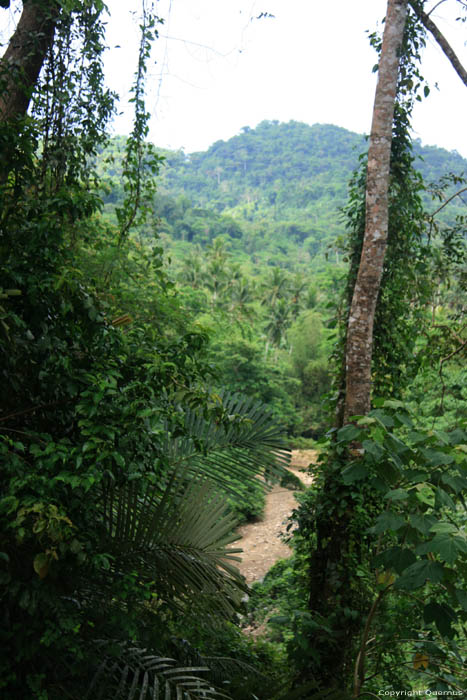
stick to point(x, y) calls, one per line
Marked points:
point(260, 541)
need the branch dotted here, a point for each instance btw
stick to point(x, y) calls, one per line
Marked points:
point(434, 8)
point(359, 673)
point(32, 409)
point(453, 353)
point(456, 194)
point(442, 41)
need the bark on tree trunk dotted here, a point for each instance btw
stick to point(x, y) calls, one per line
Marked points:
point(359, 347)
point(25, 55)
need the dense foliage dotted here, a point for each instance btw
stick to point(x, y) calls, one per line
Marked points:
point(116, 455)
point(156, 344)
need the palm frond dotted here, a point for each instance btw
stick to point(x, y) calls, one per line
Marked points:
point(178, 537)
point(247, 443)
point(131, 673)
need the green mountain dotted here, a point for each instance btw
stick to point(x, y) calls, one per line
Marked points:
point(275, 192)
point(275, 186)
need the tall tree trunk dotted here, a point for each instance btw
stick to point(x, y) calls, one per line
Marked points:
point(25, 55)
point(359, 346)
point(333, 594)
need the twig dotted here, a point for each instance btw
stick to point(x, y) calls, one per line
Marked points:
point(359, 675)
point(456, 194)
point(434, 8)
point(30, 410)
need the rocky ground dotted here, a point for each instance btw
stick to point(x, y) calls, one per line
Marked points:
point(261, 541)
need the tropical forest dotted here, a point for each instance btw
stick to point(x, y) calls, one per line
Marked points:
point(175, 328)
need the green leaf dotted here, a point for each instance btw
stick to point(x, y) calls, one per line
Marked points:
point(388, 521)
point(457, 437)
point(348, 433)
point(393, 403)
point(425, 494)
point(444, 500)
point(446, 545)
point(443, 527)
point(397, 495)
point(435, 458)
point(373, 448)
point(462, 598)
point(384, 418)
point(416, 437)
point(418, 573)
point(355, 472)
point(442, 615)
point(457, 483)
point(396, 558)
point(404, 419)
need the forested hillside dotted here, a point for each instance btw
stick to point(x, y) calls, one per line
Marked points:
point(276, 191)
point(256, 230)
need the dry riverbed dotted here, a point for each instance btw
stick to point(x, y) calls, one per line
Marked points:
point(261, 541)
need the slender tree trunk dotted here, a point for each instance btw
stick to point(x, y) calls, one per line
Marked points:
point(25, 55)
point(332, 578)
point(359, 347)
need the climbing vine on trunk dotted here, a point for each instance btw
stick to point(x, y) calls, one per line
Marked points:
point(359, 345)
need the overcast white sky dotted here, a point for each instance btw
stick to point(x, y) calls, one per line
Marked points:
point(216, 68)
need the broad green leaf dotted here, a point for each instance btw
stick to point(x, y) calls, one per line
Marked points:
point(384, 419)
point(457, 483)
point(396, 558)
point(418, 573)
point(388, 521)
point(404, 419)
point(388, 471)
point(415, 476)
point(373, 448)
point(446, 545)
point(442, 436)
point(444, 527)
point(355, 472)
point(442, 615)
point(425, 494)
point(457, 437)
point(435, 458)
point(444, 500)
point(366, 420)
point(393, 403)
point(348, 433)
point(416, 437)
point(397, 495)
